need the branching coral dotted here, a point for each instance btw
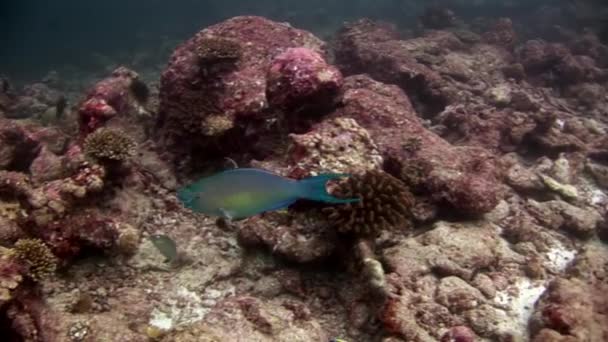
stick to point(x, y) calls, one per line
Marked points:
point(37, 257)
point(109, 144)
point(217, 49)
point(384, 204)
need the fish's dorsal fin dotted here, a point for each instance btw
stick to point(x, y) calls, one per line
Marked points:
point(253, 170)
point(232, 163)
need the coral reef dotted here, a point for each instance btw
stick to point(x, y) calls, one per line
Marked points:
point(477, 148)
point(335, 145)
point(33, 101)
point(109, 144)
point(118, 98)
point(232, 99)
point(573, 307)
point(38, 258)
point(464, 178)
point(367, 47)
point(384, 204)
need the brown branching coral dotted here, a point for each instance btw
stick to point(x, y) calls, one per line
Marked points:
point(216, 49)
point(384, 204)
point(109, 144)
point(37, 257)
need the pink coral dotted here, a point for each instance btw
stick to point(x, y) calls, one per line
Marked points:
point(112, 96)
point(300, 76)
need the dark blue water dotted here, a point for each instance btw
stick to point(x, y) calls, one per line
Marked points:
point(40, 35)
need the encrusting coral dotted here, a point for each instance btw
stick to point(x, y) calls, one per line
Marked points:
point(10, 276)
point(37, 257)
point(109, 144)
point(384, 204)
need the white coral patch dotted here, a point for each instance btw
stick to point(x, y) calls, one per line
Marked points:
point(185, 307)
point(519, 300)
point(559, 257)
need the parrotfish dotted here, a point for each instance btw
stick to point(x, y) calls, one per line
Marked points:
point(241, 193)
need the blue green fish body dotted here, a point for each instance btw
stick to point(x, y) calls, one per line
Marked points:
point(241, 193)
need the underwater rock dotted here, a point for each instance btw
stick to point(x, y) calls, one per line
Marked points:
point(588, 44)
point(46, 166)
point(448, 249)
point(17, 146)
point(335, 145)
point(464, 178)
point(69, 236)
point(459, 334)
point(599, 173)
point(559, 65)
point(245, 318)
point(524, 180)
point(585, 94)
point(117, 97)
point(576, 69)
point(415, 318)
point(11, 276)
point(368, 47)
point(562, 215)
point(301, 237)
point(33, 101)
point(538, 55)
point(29, 318)
point(574, 306)
point(497, 130)
point(501, 33)
point(300, 79)
point(201, 99)
point(457, 295)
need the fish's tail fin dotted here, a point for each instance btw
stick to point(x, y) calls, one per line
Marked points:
point(313, 188)
point(186, 196)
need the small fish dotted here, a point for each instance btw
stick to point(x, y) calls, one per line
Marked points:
point(166, 246)
point(241, 193)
